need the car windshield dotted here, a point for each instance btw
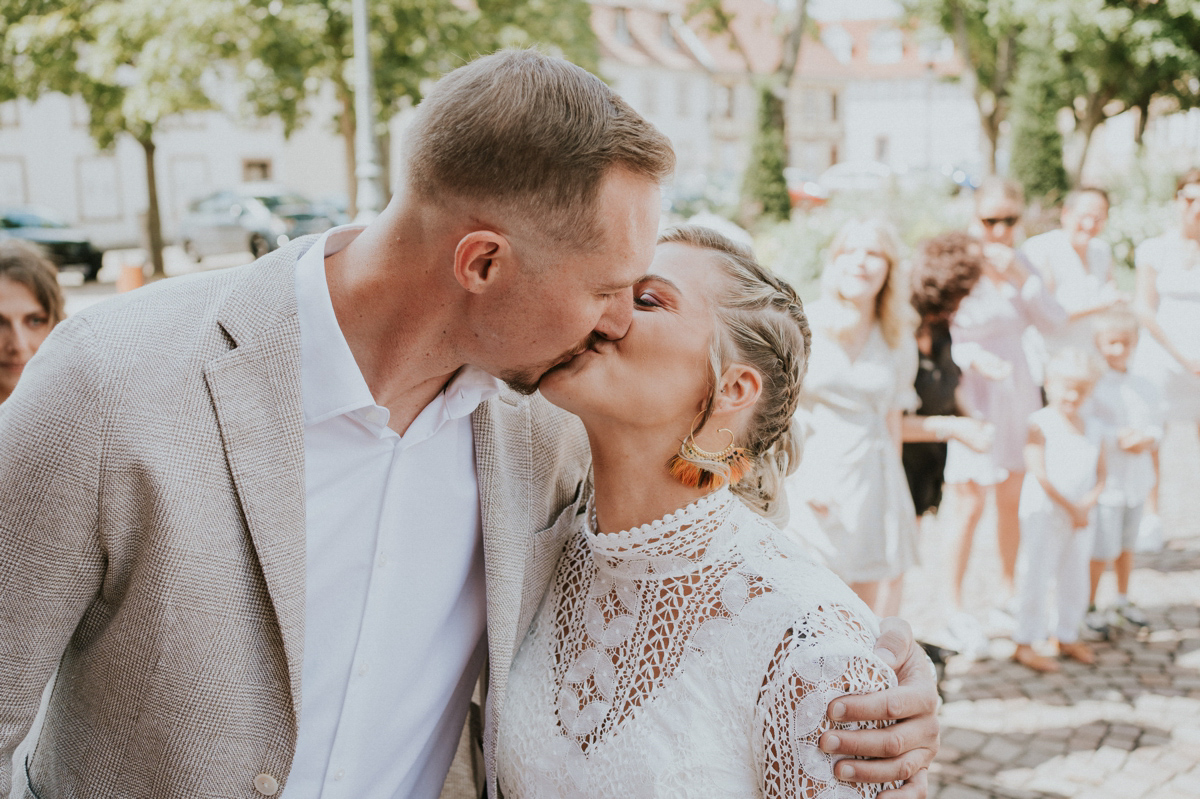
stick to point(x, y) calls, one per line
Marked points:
point(274, 202)
point(32, 217)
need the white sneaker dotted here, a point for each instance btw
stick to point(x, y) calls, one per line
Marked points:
point(1150, 534)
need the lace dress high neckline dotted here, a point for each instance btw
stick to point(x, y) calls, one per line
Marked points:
point(692, 656)
point(672, 546)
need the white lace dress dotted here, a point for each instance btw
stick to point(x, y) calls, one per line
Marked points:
point(695, 656)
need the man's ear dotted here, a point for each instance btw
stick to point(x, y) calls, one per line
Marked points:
point(741, 386)
point(478, 257)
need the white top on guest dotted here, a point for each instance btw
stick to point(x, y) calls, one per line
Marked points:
point(691, 657)
point(394, 618)
point(1123, 401)
point(1072, 462)
point(1078, 286)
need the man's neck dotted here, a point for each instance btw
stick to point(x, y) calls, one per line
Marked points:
point(395, 314)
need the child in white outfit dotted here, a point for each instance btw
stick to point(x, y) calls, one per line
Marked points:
point(1063, 480)
point(1128, 410)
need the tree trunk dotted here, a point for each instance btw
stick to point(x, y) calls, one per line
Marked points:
point(154, 237)
point(346, 128)
point(791, 46)
point(1087, 126)
point(1139, 132)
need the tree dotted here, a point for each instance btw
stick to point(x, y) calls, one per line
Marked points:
point(1121, 55)
point(293, 48)
point(764, 187)
point(1037, 150)
point(987, 36)
point(134, 63)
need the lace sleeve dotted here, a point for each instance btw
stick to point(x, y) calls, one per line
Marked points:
point(805, 674)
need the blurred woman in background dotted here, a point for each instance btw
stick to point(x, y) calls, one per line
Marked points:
point(988, 331)
point(31, 304)
point(945, 270)
point(1168, 305)
point(860, 382)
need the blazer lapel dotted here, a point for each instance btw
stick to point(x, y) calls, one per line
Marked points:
point(256, 391)
point(502, 457)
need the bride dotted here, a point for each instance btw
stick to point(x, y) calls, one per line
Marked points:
point(687, 647)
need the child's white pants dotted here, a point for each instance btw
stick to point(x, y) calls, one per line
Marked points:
point(1055, 555)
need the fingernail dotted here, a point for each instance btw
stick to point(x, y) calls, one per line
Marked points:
point(830, 743)
point(887, 656)
point(837, 711)
point(848, 772)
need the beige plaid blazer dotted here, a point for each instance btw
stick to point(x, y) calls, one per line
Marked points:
point(152, 540)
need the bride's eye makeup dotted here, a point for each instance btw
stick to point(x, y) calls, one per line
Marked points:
point(646, 299)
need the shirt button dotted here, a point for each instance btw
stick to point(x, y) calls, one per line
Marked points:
point(362, 672)
point(381, 561)
point(340, 773)
point(266, 784)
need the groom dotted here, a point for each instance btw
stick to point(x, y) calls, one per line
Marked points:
point(261, 520)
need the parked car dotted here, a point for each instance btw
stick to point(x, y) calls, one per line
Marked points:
point(64, 245)
point(258, 217)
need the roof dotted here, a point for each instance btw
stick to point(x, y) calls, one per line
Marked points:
point(754, 38)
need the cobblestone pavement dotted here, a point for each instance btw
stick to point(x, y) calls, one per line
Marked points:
point(1127, 727)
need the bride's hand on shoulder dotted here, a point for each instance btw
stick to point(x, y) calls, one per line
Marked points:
point(903, 751)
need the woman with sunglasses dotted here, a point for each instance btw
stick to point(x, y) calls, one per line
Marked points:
point(1168, 304)
point(987, 332)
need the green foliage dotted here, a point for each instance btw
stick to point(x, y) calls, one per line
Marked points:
point(764, 189)
point(134, 62)
point(286, 50)
point(1037, 149)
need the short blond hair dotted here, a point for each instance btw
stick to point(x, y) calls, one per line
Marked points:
point(893, 306)
point(535, 133)
point(1119, 318)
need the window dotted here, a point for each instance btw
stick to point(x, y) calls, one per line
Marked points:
point(839, 42)
point(621, 27)
point(833, 106)
point(881, 148)
point(726, 101)
point(936, 48)
point(887, 46)
point(255, 169)
point(682, 104)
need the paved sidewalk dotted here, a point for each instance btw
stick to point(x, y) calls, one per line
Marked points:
point(1127, 727)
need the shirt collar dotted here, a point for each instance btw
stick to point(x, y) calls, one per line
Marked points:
point(331, 382)
point(329, 376)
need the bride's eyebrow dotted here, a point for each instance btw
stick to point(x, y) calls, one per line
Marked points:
point(665, 280)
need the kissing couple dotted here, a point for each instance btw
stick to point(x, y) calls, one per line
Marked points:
point(490, 488)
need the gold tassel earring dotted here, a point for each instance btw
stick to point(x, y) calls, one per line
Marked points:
point(732, 460)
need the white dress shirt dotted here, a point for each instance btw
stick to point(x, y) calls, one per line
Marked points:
point(395, 604)
point(1078, 286)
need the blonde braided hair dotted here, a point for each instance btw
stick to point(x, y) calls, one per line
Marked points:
point(760, 323)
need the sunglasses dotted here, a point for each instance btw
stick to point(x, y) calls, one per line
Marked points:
point(1008, 221)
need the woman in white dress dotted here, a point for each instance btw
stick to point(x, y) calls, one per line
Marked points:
point(1168, 304)
point(686, 646)
point(859, 384)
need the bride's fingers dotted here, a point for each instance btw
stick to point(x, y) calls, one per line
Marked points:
point(916, 788)
point(918, 734)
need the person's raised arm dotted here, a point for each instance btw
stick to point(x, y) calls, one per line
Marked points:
point(902, 751)
point(51, 561)
point(1145, 305)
